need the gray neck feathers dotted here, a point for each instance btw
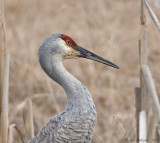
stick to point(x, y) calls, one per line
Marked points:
point(77, 94)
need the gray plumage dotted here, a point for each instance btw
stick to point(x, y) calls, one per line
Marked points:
point(76, 123)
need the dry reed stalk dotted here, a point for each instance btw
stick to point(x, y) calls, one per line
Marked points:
point(152, 14)
point(151, 127)
point(10, 135)
point(143, 40)
point(138, 108)
point(143, 46)
point(142, 127)
point(28, 120)
point(2, 51)
point(146, 81)
point(21, 106)
point(5, 98)
point(152, 91)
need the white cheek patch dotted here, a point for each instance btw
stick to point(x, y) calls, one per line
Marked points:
point(69, 52)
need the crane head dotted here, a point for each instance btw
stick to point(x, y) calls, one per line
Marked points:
point(64, 47)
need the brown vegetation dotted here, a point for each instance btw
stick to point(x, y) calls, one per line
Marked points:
point(110, 29)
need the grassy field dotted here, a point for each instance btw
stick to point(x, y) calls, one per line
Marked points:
point(110, 29)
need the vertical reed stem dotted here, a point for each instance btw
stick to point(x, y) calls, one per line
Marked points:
point(10, 136)
point(143, 45)
point(28, 120)
point(2, 51)
point(138, 107)
point(5, 98)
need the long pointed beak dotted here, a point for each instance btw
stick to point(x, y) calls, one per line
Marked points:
point(89, 55)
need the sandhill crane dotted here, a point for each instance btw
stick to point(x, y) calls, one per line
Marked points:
point(76, 123)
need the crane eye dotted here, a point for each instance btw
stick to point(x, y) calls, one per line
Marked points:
point(69, 43)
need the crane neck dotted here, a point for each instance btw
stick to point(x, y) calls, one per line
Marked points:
point(77, 94)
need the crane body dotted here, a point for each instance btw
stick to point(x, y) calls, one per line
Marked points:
point(76, 123)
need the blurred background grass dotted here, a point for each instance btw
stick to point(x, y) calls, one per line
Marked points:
point(108, 28)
